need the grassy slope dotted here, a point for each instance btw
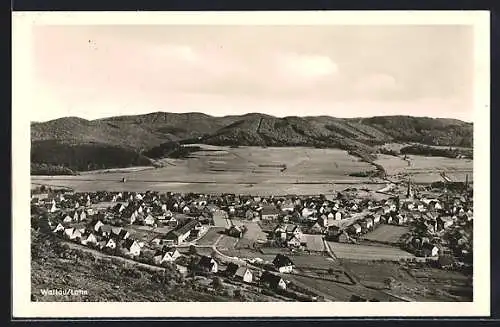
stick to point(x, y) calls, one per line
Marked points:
point(56, 268)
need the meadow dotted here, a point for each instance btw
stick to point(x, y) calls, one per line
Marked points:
point(242, 170)
point(365, 252)
point(262, 171)
point(389, 234)
point(427, 169)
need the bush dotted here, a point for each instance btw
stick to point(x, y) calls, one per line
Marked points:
point(192, 250)
point(217, 283)
point(436, 152)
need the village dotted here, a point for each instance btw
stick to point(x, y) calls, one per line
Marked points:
point(269, 244)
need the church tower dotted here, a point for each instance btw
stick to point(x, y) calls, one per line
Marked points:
point(409, 190)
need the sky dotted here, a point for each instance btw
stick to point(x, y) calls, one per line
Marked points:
point(342, 71)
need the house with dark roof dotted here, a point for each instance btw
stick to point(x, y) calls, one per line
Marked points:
point(283, 263)
point(208, 264)
point(105, 230)
point(89, 238)
point(133, 248)
point(167, 254)
point(272, 280)
point(181, 233)
point(235, 231)
point(119, 233)
point(355, 229)
point(239, 273)
point(429, 250)
point(269, 212)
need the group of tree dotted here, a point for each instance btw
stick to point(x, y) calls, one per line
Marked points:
point(423, 150)
point(53, 157)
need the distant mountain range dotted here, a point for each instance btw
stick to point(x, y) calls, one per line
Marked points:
point(82, 144)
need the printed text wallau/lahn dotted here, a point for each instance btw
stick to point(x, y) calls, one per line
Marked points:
point(63, 292)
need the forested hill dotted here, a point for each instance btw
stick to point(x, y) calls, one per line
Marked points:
point(80, 144)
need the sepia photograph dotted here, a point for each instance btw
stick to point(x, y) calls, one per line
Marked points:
point(251, 158)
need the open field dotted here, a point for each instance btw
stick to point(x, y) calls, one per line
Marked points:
point(339, 291)
point(242, 170)
point(364, 252)
point(227, 242)
point(254, 232)
point(220, 222)
point(262, 171)
point(145, 235)
point(418, 284)
point(314, 242)
point(264, 189)
point(104, 205)
point(246, 254)
point(389, 234)
point(426, 169)
point(117, 170)
point(211, 236)
point(313, 261)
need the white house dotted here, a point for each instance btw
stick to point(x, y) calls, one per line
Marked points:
point(89, 239)
point(150, 221)
point(53, 208)
point(208, 264)
point(283, 263)
point(306, 212)
point(111, 244)
point(169, 255)
point(355, 228)
point(338, 215)
point(132, 247)
point(58, 228)
point(98, 225)
point(430, 250)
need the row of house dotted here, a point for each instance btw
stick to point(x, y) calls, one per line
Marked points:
point(101, 236)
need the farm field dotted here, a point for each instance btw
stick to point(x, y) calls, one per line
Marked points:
point(339, 291)
point(422, 284)
point(242, 170)
point(104, 205)
point(145, 235)
point(455, 284)
point(254, 232)
point(388, 234)
point(211, 236)
point(426, 169)
point(246, 254)
point(227, 242)
point(220, 222)
point(313, 261)
point(314, 242)
point(365, 252)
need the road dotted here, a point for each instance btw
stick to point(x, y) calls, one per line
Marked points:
point(99, 254)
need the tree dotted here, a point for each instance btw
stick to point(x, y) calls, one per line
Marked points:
point(389, 282)
point(217, 283)
point(192, 250)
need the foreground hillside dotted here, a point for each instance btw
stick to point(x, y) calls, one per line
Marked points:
point(81, 144)
point(56, 266)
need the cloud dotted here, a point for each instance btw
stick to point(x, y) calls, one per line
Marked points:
point(306, 66)
point(377, 85)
